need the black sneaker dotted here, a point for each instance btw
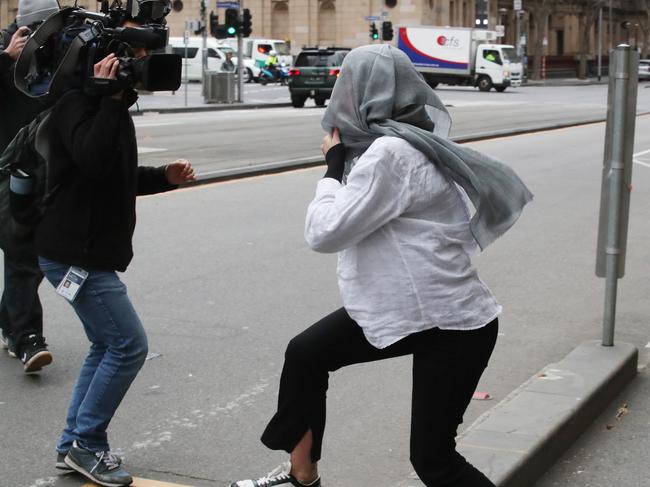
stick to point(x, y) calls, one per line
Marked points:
point(8, 343)
point(103, 468)
point(60, 462)
point(61, 465)
point(280, 476)
point(34, 353)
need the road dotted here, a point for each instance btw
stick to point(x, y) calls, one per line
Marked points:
point(222, 279)
point(215, 141)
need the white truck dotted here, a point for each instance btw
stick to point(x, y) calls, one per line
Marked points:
point(461, 56)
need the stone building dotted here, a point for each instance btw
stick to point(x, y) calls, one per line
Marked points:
point(562, 31)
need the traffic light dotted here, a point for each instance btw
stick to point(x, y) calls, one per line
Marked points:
point(387, 31)
point(214, 24)
point(246, 26)
point(374, 33)
point(232, 21)
point(217, 30)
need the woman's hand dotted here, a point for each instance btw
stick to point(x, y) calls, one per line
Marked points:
point(17, 43)
point(330, 141)
point(179, 172)
point(334, 155)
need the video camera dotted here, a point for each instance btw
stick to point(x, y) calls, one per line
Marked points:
point(62, 52)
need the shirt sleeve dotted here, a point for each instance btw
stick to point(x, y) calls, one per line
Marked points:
point(375, 193)
point(152, 180)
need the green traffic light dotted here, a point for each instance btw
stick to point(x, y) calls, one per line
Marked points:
point(375, 36)
point(231, 30)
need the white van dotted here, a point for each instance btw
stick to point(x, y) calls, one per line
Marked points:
point(216, 57)
point(258, 50)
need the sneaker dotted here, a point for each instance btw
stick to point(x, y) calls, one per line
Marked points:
point(103, 468)
point(8, 343)
point(61, 465)
point(280, 476)
point(60, 462)
point(34, 353)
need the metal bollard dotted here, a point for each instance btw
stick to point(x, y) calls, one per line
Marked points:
point(616, 180)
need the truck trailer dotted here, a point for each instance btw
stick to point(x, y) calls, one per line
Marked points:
point(461, 56)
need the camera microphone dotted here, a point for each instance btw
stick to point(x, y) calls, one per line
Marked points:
point(149, 38)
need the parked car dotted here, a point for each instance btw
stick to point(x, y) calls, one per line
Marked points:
point(644, 69)
point(314, 73)
point(216, 57)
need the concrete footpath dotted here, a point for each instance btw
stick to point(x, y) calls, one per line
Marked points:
point(517, 441)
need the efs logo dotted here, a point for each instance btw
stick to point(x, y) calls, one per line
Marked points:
point(448, 41)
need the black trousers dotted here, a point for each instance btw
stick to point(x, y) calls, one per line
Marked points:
point(447, 366)
point(21, 313)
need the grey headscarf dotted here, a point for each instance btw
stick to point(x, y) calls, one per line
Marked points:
point(380, 93)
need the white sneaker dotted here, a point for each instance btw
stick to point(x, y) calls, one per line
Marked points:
point(279, 476)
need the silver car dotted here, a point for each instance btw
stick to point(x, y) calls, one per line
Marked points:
point(644, 69)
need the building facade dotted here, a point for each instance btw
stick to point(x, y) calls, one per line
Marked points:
point(561, 30)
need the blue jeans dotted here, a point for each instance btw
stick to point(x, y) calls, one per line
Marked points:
point(117, 351)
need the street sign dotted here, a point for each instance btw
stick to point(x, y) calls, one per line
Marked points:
point(501, 30)
point(186, 37)
point(517, 5)
point(228, 5)
point(371, 17)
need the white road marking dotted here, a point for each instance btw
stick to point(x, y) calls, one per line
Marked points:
point(648, 345)
point(638, 154)
point(149, 150)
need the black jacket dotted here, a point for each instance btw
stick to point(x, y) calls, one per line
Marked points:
point(94, 163)
point(16, 109)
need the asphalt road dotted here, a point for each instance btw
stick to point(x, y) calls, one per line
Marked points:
point(215, 141)
point(222, 279)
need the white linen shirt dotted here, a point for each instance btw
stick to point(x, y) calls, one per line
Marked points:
point(401, 230)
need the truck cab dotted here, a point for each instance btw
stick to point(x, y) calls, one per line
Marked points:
point(498, 66)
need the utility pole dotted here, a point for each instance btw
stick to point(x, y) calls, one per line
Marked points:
point(240, 56)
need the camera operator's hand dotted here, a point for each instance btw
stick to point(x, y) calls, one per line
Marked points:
point(107, 69)
point(179, 172)
point(17, 43)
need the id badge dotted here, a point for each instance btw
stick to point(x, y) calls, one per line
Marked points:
point(71, 283)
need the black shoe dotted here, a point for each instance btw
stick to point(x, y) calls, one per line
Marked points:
point(8, 343)
point(280, 476)
point(34, 353)
point(60, 462)
point(103, 468)
point(61, 465)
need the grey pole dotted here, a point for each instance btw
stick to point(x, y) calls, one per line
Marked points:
point(204, 57)
point(617, 166)
point(187, 33)
point(240, 59)
point(600, 43)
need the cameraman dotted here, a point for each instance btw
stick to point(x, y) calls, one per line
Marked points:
point(87, 230)
point(21, 314)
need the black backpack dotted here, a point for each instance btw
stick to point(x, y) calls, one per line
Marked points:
point(25, 190)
